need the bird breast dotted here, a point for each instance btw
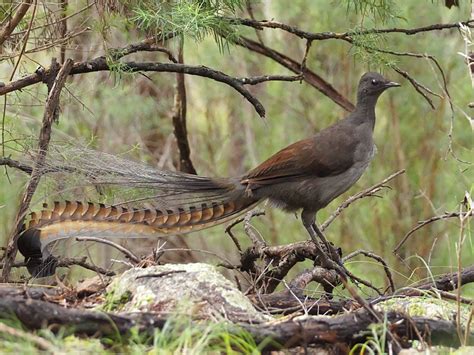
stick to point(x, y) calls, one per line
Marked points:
point(313, 192)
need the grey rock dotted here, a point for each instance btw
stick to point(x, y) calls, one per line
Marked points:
point(197, 290)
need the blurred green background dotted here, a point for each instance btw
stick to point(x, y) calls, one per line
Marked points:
point(131, 114)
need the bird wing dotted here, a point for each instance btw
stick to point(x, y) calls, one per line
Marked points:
point(318, 156)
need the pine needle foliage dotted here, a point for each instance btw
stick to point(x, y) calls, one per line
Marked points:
point(365, 48)
point(377, 10)
point(189, 18)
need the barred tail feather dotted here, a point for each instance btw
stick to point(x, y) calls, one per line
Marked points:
point(73, 218)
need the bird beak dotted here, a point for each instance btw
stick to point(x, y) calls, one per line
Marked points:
point(391, 84)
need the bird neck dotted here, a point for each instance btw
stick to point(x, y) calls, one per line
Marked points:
point(365, 111)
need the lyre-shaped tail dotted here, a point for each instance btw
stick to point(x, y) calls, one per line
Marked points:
point(72, 219)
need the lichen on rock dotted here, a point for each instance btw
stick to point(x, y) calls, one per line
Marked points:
point(198, 289)
point(426, 306)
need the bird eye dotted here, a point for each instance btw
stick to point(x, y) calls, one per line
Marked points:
point(374, 82)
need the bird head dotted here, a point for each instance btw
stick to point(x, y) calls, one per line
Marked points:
point(373, 84)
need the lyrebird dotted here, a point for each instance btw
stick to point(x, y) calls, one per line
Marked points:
point(306, 176)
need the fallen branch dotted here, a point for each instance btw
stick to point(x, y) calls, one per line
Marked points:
point(350, 328)
point(286, 302)
point(446, 282)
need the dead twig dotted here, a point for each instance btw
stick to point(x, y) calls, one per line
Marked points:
point(255, 213)
point(318, 274)
point(161, 274)
point(239, 220)
point(63, 28)
point(413, 292)
point(132, 257)
point(68, 262)
point(375, 257)
point(371, 191)
point(257, 240)
point(60, 42)
point(78, 12)
point(421, 224)
point(420, 88)
point(146, 45)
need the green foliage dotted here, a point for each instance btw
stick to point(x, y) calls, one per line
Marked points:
point(114, 303)
point(365, 48)
point(116, 67)
point(376, 343)
point(195, 19)
point(377, 10)
point(180, 335)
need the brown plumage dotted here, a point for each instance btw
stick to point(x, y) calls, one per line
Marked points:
point(306, 175)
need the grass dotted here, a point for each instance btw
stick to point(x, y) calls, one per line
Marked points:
point(178, 336)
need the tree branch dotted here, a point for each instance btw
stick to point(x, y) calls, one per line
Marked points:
point(260, 79)
point(309, 76)
point(321, 36)
point(11, 24)
point(16, 164)
point(146, 45)
point(179, 119)
point(51, 106)
point(101, 64)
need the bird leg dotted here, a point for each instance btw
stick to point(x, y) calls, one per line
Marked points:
point(321, 255)
point(308, 218)
point(309, 221)
point(329, 247)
